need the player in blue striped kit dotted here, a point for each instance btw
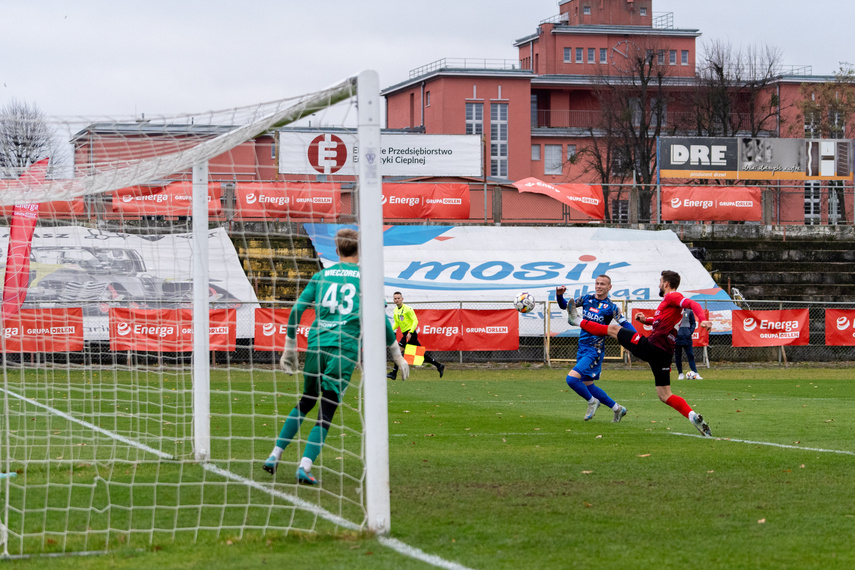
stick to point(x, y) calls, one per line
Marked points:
point(599, 308)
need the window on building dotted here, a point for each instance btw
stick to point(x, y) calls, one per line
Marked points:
point(642, 11)
point(568, 55)
point(620, 211)
point(571, 152)
point(499, 139)
point(672, 57)
point(837, 123)
point(835, 202)
point(474, 118)
point(586, 10)
point(812, 130)
point(658, 111)
point(553, 162)
point(273, 150)
point(580, 53)
point(604, 55)
point(535, 121)
point(427, 98)
point(535, 152)
point(591, 55)
point(813, 199)
point(684, 57)
point(660, 57)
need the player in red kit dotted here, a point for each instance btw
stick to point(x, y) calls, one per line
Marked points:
point(658, 348)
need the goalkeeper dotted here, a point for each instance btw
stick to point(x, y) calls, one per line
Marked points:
point(599, 308)
point(333, 350)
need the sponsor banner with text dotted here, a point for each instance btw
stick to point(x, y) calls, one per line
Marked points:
point(709, 203)
point(583, 197)
point(168, 330)
point(497, 329)
point(175, 199)
point(840, 327)
point(426, 201)
point(700, 338)
point(468, 329)
point(771, 328)
point(44, 330)
point(287, 200)
point(271, 327)
point(401, 154)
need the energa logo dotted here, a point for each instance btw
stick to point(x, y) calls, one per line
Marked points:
point(749, 324)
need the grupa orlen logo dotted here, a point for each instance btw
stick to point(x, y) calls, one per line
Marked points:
point(268, 329)
point(842, 323)
point(124, 329)
point(251, 198)
point(675, 202)
point(749, 324)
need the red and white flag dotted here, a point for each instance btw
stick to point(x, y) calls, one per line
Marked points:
point(24, 218)
point(583, 197)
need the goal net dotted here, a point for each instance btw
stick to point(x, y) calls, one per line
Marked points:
point(121, 427)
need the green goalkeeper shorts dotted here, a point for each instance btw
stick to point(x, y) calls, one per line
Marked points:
point(327, 369)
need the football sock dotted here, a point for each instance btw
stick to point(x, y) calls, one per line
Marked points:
point(599, 394)
point(316, 441)
point(679, 404)
point(579, 387)
point(594, 328)
point(277, 452)
point(289, 430)
point(306, 464)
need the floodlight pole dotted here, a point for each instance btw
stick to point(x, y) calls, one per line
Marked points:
point(373, 314)
point(201, 341)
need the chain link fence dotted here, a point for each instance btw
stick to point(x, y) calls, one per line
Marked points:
point(539, 342)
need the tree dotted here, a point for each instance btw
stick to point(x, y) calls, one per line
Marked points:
point(825, 109)
point(633, 101)
point(732, 94)
point(25, 138)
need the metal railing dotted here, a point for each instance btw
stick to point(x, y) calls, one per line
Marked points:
point(465, 63)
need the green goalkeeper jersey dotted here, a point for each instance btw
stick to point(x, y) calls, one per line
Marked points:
point(334, 294)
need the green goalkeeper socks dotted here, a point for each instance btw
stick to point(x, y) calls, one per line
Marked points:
point(289, 430)
point(316, 440)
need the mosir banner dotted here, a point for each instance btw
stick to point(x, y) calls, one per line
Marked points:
point(255, 200)
point(771, 328)
point(426, 201)
point(168, 330)
point(709, 203)
point(336, 152)
point(840, 327)
point(44, 330)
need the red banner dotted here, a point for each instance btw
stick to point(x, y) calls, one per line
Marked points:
point(17, 276)
point(287, 199)
point(54, 209)
point(467, 329)
point(490, 330)
point(426, 201)
point(587, 199)
point(45, 330)
point(711, 203)
point(770, 328)
point(840, 327)
point(168, 330)
point(271, 326)
point(175, 199)
point(701, 336)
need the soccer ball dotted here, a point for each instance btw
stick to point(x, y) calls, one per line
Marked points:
point(691, 375)
point(524, 303)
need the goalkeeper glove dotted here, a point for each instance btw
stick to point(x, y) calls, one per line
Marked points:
point(399, 361)
point(288, 362)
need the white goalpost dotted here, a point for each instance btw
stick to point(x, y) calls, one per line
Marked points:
point(122, 426)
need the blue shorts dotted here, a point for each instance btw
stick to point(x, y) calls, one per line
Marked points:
point(589, 362)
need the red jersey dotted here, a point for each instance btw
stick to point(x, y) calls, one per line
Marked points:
point(667, 319)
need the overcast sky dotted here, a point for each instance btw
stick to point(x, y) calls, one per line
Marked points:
point(120, 58)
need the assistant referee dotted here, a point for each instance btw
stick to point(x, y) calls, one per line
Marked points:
point(406, 320)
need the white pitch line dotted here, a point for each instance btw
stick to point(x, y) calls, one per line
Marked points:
point(770, 444)
point(393, 543)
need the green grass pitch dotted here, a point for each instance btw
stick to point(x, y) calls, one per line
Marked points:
point(494, 468)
